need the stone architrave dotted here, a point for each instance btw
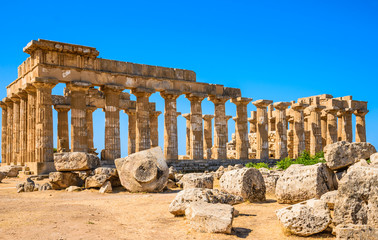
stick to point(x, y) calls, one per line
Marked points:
point(360, 125)
point(16, 130)
point(154, 125)
point(187, 117)
point(315, 128)
point(299, 134)
point(9, 147)
point(323, 128)
point(262, 148)
point(219, 150)
point(23, 126)
point(4, 122)
point(79, 138)
point(132, 131)
point(207, 136)
point(63, 136)
point(347, 129)
point(281, 130)
point(340, 114)
point(89, 116)
point(196, 129)
point(331, 124)
point(241, 127)
point(112, 127)
point(170, 126)
point(143, 135)
point(44, 120)
point(31, 122)
point(253, 122)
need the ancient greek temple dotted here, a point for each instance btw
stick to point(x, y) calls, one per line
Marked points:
point(93, 83)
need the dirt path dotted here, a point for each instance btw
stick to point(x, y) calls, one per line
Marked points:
point(90, 215)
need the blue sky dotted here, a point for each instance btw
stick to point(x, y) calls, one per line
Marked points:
point(277, 50)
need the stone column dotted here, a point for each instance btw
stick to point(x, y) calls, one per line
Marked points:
point(23, 126)
point(347, 130)
point(187, 117)
point(228, 117)
point(307, 131)
point(62, 136)
point(16, 130)
point(281, 130)
point(252, 122)
point(154, 125)
point(207, 135)
point(219, 150)
point(112, 127)
point(9, 147)
point(323, 119)
point(340, 114)
point(360, 125)
point(262, 144)
point(170, 125)
point(314, 125)
point(290, 137)
point(143, 137)
point(89, 117)
point(331, 124)
point(241, 127)
point(4, 122)
point(298, 127)
point(132, 131)
point(31, 123)
point(196, 129)
point(79, 137)
point(44, 121)
point(271, 119)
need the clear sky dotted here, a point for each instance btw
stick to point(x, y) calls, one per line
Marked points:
point(277, 50)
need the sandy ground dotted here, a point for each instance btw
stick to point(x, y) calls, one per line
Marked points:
point(120, 215)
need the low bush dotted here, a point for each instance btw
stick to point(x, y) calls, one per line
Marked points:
point(304, 158)
point(257, 165)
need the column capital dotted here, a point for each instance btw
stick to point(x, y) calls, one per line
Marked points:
point(348, 110)
point(207, 117)
point(195, 97)
point(178, 114)
point(3, 105)
point(228, 117)
point(155, 113)
point(8, 101)
point(170, 94)
point(112, 88)
point(361, 112)
point(130, 112)
point(281, 105)
point(241, 100)
point(22, 94)
point(15, 98)
point(62, 108)
point(262, 103)
point(44, 82)
point(331, 110)
point(142, 92)
point(218, 99)
point(186, 116)
point(91, 109)
point(78, 86)
point(252, 120)
point(315, 108)
point(298, 107)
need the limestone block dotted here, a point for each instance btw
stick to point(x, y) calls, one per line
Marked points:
point(374, 159)
point(329, 198)
point(45, 187)
point(357, 197)
point(300, 183)
point(62, 180)
point(245, 182)
point(144, 171)
point(2, 176)
point(95, 181)
point(210, 218)
point(362, 232)
point(106, 188)
point(75, 161)
point(343, 154)
point(73, 189)
point(11, 170)
point(171, 184)
point(187, 196)
point(197, 180)
point(172, 172)
point(305, 218)
point(270, 180)
point(111, 173)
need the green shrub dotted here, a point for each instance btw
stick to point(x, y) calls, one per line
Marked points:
point(257, 165)
point(284, 163)
point(304, 158)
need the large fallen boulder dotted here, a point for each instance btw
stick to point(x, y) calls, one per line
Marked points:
point(357, 197)
point(11, 170)
point(197, 180)
point(342, 154)
point(350, 231)
point(300, 183)
point(95, 181)
point(210, 218)
point(187, 196)
point(75, 161)
point(245, 182)
point(62, 180)
point(329, 198)
point(374, 159)
point(144, 171)
point(2, 176)
point(110, 173)
point(305, 218)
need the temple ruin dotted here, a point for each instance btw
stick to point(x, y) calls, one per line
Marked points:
point(276, 130)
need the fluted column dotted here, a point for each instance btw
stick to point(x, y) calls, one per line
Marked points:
point(9, 147)
point(241, 127)
point(132, 131)
point(299, 134)
point(170, 126)
point(187, 117)
point(307, 131)
point(360, 125)
point(281, 130)
point(253, 122)
point(23, 126)
point(324, 128)
point(143, 137)
point(314, 125)
point(79, 137)
point(31, 123)
point(228, 117)
point(290, 137)
point(340, 114)
point(89, 116)
point(4, 122)
point(154, 125)
point(331, 124)
point(196, 130)
point(271, 119)
point(16, 158)
point(207, 135)
point(44, 121)
point(219, 150)
point(262, 148)
point(347, 130)
point(62, 133)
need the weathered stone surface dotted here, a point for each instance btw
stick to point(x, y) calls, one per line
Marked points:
point(45, 187)
point(361, 232)
point(210, 218)
point(96, 181)
point(73, 189)
point(11, 170)
point(111, 173)
point(62, 180)
point(357, 197)
point(270, 180)
point(197, 180)
point(374, 159)
point(305, 218)
point(75, 161)
point(172, 173)
point(343, 154)
point(329, 198)
point(300, 183)
point(106, 188)
point(27, 186)
point(144, 171)
point(245, 182)
point(185, 197)
point(171, 184)
point(2, 176)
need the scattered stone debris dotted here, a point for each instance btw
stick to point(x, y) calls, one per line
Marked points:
point(197, 180)
point(11, 170)
point(329, 198)
point(63, 180)
point(45, 187)
point(106, 188)
point(73, 189)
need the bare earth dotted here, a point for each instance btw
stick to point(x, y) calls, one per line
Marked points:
point(121, 215)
